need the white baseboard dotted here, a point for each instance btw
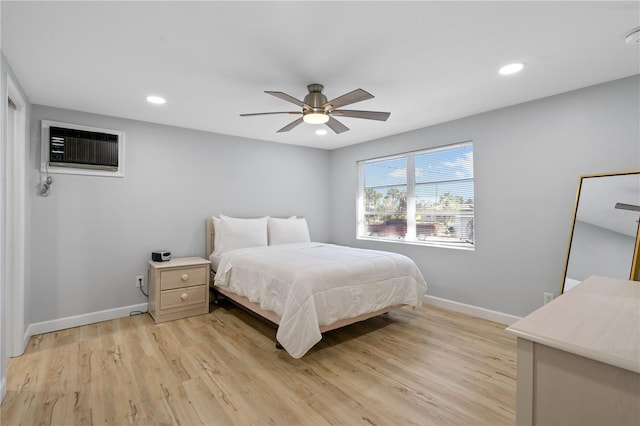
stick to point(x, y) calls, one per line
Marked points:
point(109, 314)
point(3, 388)
point(475, 311)
point(25, 340)
point(84, 319)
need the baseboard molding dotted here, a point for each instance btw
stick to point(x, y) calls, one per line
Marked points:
point(3, 388)
point(25, 340)
point(84, 319)
point(475, 311)
point(109, 314)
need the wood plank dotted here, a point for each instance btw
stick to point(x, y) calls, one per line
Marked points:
point(428, 366)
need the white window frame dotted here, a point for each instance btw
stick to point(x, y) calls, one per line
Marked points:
point(410, 237)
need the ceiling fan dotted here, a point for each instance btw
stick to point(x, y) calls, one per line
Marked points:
point(630, 207)
point(317, 110)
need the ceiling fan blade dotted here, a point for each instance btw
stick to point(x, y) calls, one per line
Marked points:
point(290, 125)
point(336, 126)
point(357, 95)
point(288, 98)
point(269, 113)
point(369, 115)
point(631, 207)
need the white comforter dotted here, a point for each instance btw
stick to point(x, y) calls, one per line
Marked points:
point(313, 284)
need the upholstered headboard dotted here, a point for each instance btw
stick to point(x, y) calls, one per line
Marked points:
point(211, 233)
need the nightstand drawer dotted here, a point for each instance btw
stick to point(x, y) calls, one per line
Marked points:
point(183, 297)
point(183, 277)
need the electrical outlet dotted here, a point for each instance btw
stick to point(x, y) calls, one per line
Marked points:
point(139, 281)
point(548, 297)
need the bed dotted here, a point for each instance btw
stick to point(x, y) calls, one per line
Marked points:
point(270, 267)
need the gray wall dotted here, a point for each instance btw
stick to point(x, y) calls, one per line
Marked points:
point(527, 163)
point(93, 235)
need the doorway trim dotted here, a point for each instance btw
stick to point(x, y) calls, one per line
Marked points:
point(15, 224)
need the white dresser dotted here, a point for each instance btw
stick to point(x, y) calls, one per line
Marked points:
point(579, 357)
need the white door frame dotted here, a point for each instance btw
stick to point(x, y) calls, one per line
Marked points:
point(15, 223)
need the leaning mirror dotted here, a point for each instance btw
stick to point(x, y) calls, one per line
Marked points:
point(604, 239)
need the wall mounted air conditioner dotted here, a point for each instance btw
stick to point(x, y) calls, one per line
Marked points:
point(75, 149)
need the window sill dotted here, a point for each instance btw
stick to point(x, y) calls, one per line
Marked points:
point(438, 244)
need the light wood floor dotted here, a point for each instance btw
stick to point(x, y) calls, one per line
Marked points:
point(428, 366)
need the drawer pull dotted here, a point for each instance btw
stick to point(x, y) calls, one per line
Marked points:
point(184, 296)
point(184, 277)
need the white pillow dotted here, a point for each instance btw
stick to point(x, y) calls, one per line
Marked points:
point(235, 233)
point(287, 231)
point(216, 233)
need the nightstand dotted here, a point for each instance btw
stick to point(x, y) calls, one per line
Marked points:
point(178, 288)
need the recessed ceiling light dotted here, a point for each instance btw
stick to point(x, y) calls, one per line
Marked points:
point(321, 132)
point(156, 100)
point(511, 68)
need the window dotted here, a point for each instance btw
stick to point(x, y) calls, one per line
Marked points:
point(422, 197)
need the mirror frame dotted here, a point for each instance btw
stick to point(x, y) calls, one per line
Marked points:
point(635, 263)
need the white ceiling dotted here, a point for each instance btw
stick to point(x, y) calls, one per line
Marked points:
point(425, 62)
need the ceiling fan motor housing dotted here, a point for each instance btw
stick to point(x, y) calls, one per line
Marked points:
point(315, 99)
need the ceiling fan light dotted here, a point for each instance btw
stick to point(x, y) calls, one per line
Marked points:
point(315, 118)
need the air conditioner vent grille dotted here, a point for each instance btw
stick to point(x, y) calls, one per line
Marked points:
point(83, 148)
